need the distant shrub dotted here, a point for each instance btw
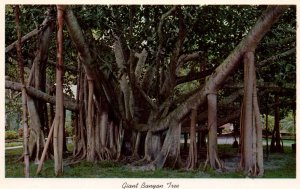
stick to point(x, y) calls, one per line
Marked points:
point(69, 131)
point(11, 135)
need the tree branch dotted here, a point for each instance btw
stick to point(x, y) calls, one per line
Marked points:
point(276, 57)
point(187, 57)
point(146, 97)
point(31, 34)
point(68, 104)
point(193, 76)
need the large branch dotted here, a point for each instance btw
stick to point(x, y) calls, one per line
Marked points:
point(193, 76)
point(187, 57)
point(226, 68)
point(160, 31)
point(29, 35)
point(68, 104)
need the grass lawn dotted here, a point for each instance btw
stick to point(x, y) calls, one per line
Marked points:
point(276, 166)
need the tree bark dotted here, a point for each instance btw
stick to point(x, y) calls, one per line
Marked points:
point(59, 113)
point(212, 150)
point(192, 158)
point(251, 129)
point(259, 136)
point(276, 139)
point(90, 123)
point(248, 114)
point(24, 104)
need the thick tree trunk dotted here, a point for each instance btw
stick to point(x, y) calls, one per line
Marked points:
point(251, 129)
point(137, 145)
point(248, 114)
point(24, 104)
point(259, 137)
point(80, 134)
point(59, 114)
point(192, 158)
point(36, 139)
point(169, 156)
point(212, 150)
point(90, 123)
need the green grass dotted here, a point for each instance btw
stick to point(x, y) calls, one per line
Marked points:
point(12, 144)
point(277, 166)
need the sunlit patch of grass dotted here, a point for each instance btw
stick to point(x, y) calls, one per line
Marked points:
point(13, 144)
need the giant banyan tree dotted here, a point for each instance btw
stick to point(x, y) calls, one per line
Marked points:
point(144, 75)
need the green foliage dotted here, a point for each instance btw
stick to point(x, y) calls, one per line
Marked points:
point(69, 131)
point(11, 135)
point(287, 123)
point(271, 122)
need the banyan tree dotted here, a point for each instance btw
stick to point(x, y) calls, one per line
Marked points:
point(144, 75)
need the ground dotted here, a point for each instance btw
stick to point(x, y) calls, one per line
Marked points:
point(276, 166)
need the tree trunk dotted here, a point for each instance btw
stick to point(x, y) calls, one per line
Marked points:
point(259, 137)
point(276, 139)
point(137, 145)
point(59, 114)
point(37, 79)
point(212, 150)
point(90, 123)
point(169, 156)
point(24, 104)
point(80, 137)
point(192, 158)
point(251, 130)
